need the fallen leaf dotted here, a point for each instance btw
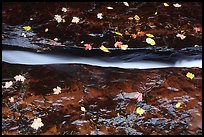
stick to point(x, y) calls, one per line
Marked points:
point(196, 45)
point(134, 36)
point(19, 78)
point(8, 84)
point(63, 20)
point(56, 39)
point(46, 30)
point(118, 114)
point(58, 18)
point(118, 44)
point(57, 90)
point(124, 47)
point(64, 9)
point(88, 46)
point(181, 36)
point(27, 28)
point(166, 4)
point(75, 20)
point(178, 105)
point(150, 41)
point(83, 109)
point(31, 18)
point(11, 99)
point(110, 8)
point(141, 33)
point(103, 48)
point(100, 15)
point(140, 111)
point(138, 96)
point(190, 75)
point(118, 33)
point(150, 35)
point(126, 4)
point(177, 5)
point(37, 123)
point(136, 17)
point(197, 29)
point(130, 18)
point(24, 35)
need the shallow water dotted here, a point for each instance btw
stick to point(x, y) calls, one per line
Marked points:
point(32, 58)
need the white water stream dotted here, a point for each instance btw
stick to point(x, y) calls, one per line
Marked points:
point(31, 58)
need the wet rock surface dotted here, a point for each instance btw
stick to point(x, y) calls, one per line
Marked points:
point(108, 96)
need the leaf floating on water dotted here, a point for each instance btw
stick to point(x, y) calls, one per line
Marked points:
point(110, 8)
point(150, 35)
point(140, 111)
point(83, 109)
point(118, 44)
point(27, 28)
point(178, 105)
point(75, 20)
point(56, 39)
point(177, 5)
point(57, 90)
point(166, 4)
point(118, 33)
point(150, 41)
point(88, 46)
point(136, 17)
point(126, 4)
point(46, 30)
point(138, 96)
point(37, 123)
point(181, 36)
point(100, 15)
point(190, 75)
point(124, 47)
point(104, 49)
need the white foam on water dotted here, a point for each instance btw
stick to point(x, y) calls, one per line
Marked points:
point(31, 58)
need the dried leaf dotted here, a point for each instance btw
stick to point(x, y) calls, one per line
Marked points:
point(141, 33)
point(19, 78)
point(118, 44)
point(130, 18)
point(177, 5)
point(88, 46)
point(136, 17)
point(124, 47)
point(56, 39)
point(138, 96)
point(57, 90)
point(166, 4)
point(104, 49)
point(150, 35)
point(181, 36)
point(126, 4)
point(100, 15)
point(27, 28)
point(75, 20)
point(37, 123)
point(140, 111)
point(110, 8)
point(118, 33)
point(46, 30)
point(118, 114)
point(150, 41)
point(190, 75)
point(31, 18)
point(178, 105)
point(196, 45)
point(64, 9)
point(11, 99)
point(83, 109)
point(8, 84)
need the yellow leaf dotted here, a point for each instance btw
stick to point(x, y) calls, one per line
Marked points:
point(46, 30)
point(196, 45)
point(124, 47)
point(31, 18)
point(178, 105)
point(118, 114)
point(150, 41)
point(55, 39)
point(190, 75)
point(118, 33)
point(27, 28)
point(166, 4)
point(83, 109)
point(63, 20)
point(104, 49)
point(140, 111)
point(130, 18)
point(150, 35)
